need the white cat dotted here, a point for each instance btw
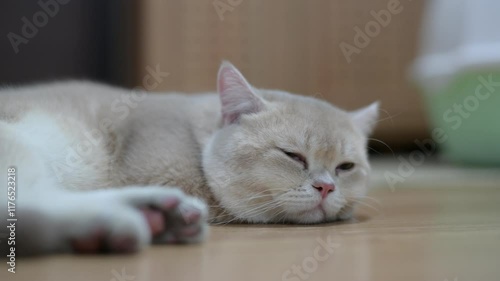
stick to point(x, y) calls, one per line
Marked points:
point(99, 168)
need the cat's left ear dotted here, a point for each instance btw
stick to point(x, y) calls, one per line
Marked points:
point(366, 117)
point(236, 94)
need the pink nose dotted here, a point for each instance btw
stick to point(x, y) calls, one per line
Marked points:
point(324, 188)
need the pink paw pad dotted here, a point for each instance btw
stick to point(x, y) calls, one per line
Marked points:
point(191, 215)
point(155, 220)
point(89, 245)
point(98, 243)
point(170, 203)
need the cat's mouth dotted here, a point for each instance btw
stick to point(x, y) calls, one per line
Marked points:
point(319, 212)
point(316, 214)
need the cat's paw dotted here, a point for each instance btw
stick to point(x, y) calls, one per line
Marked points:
point(172, 216)
point(128, 219)
point(187, 224)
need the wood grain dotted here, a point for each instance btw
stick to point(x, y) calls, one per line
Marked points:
point(446, 233)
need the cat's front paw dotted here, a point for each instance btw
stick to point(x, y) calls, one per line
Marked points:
point(172, 216)
point(185, 224)
point(131, 218)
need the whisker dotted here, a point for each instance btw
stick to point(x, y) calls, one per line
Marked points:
point(377, 140)
point(373, 149)
point(282, 218)
point(254, 211)
point(366, 205)
point(370, 198)
point(361, 197)
point(253, 197)
point(389, 117)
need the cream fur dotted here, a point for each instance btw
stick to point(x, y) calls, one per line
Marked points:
point(69, 136)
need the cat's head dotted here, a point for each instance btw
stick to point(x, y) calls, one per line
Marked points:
point(280, 157)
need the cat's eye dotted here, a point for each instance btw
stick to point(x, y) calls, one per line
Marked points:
point(297, 157)
point(344, 167)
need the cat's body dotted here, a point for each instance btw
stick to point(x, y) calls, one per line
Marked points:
point(152, 139)
point(266, 157)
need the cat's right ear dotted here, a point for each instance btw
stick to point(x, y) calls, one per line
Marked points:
point(236, 94)
point(366, 118)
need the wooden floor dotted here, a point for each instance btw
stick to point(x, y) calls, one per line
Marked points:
point(414, 233)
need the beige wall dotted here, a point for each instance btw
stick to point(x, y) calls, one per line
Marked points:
point(292, 45)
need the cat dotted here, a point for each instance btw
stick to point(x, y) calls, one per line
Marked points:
point(98, 168)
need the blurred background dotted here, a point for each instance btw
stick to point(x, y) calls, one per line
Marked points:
point(350, 53)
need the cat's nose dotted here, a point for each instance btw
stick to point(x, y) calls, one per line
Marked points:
point(324, 188)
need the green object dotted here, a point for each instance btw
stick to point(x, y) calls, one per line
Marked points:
point(468, 112)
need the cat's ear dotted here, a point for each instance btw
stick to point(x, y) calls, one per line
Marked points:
point(366, 117)
point(236, 94)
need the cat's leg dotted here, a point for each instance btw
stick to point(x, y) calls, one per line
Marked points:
point(51, 219)
point(165, 215)
point(173, 216)
point(114, 220)
point(21, 173)
point(117, 220)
